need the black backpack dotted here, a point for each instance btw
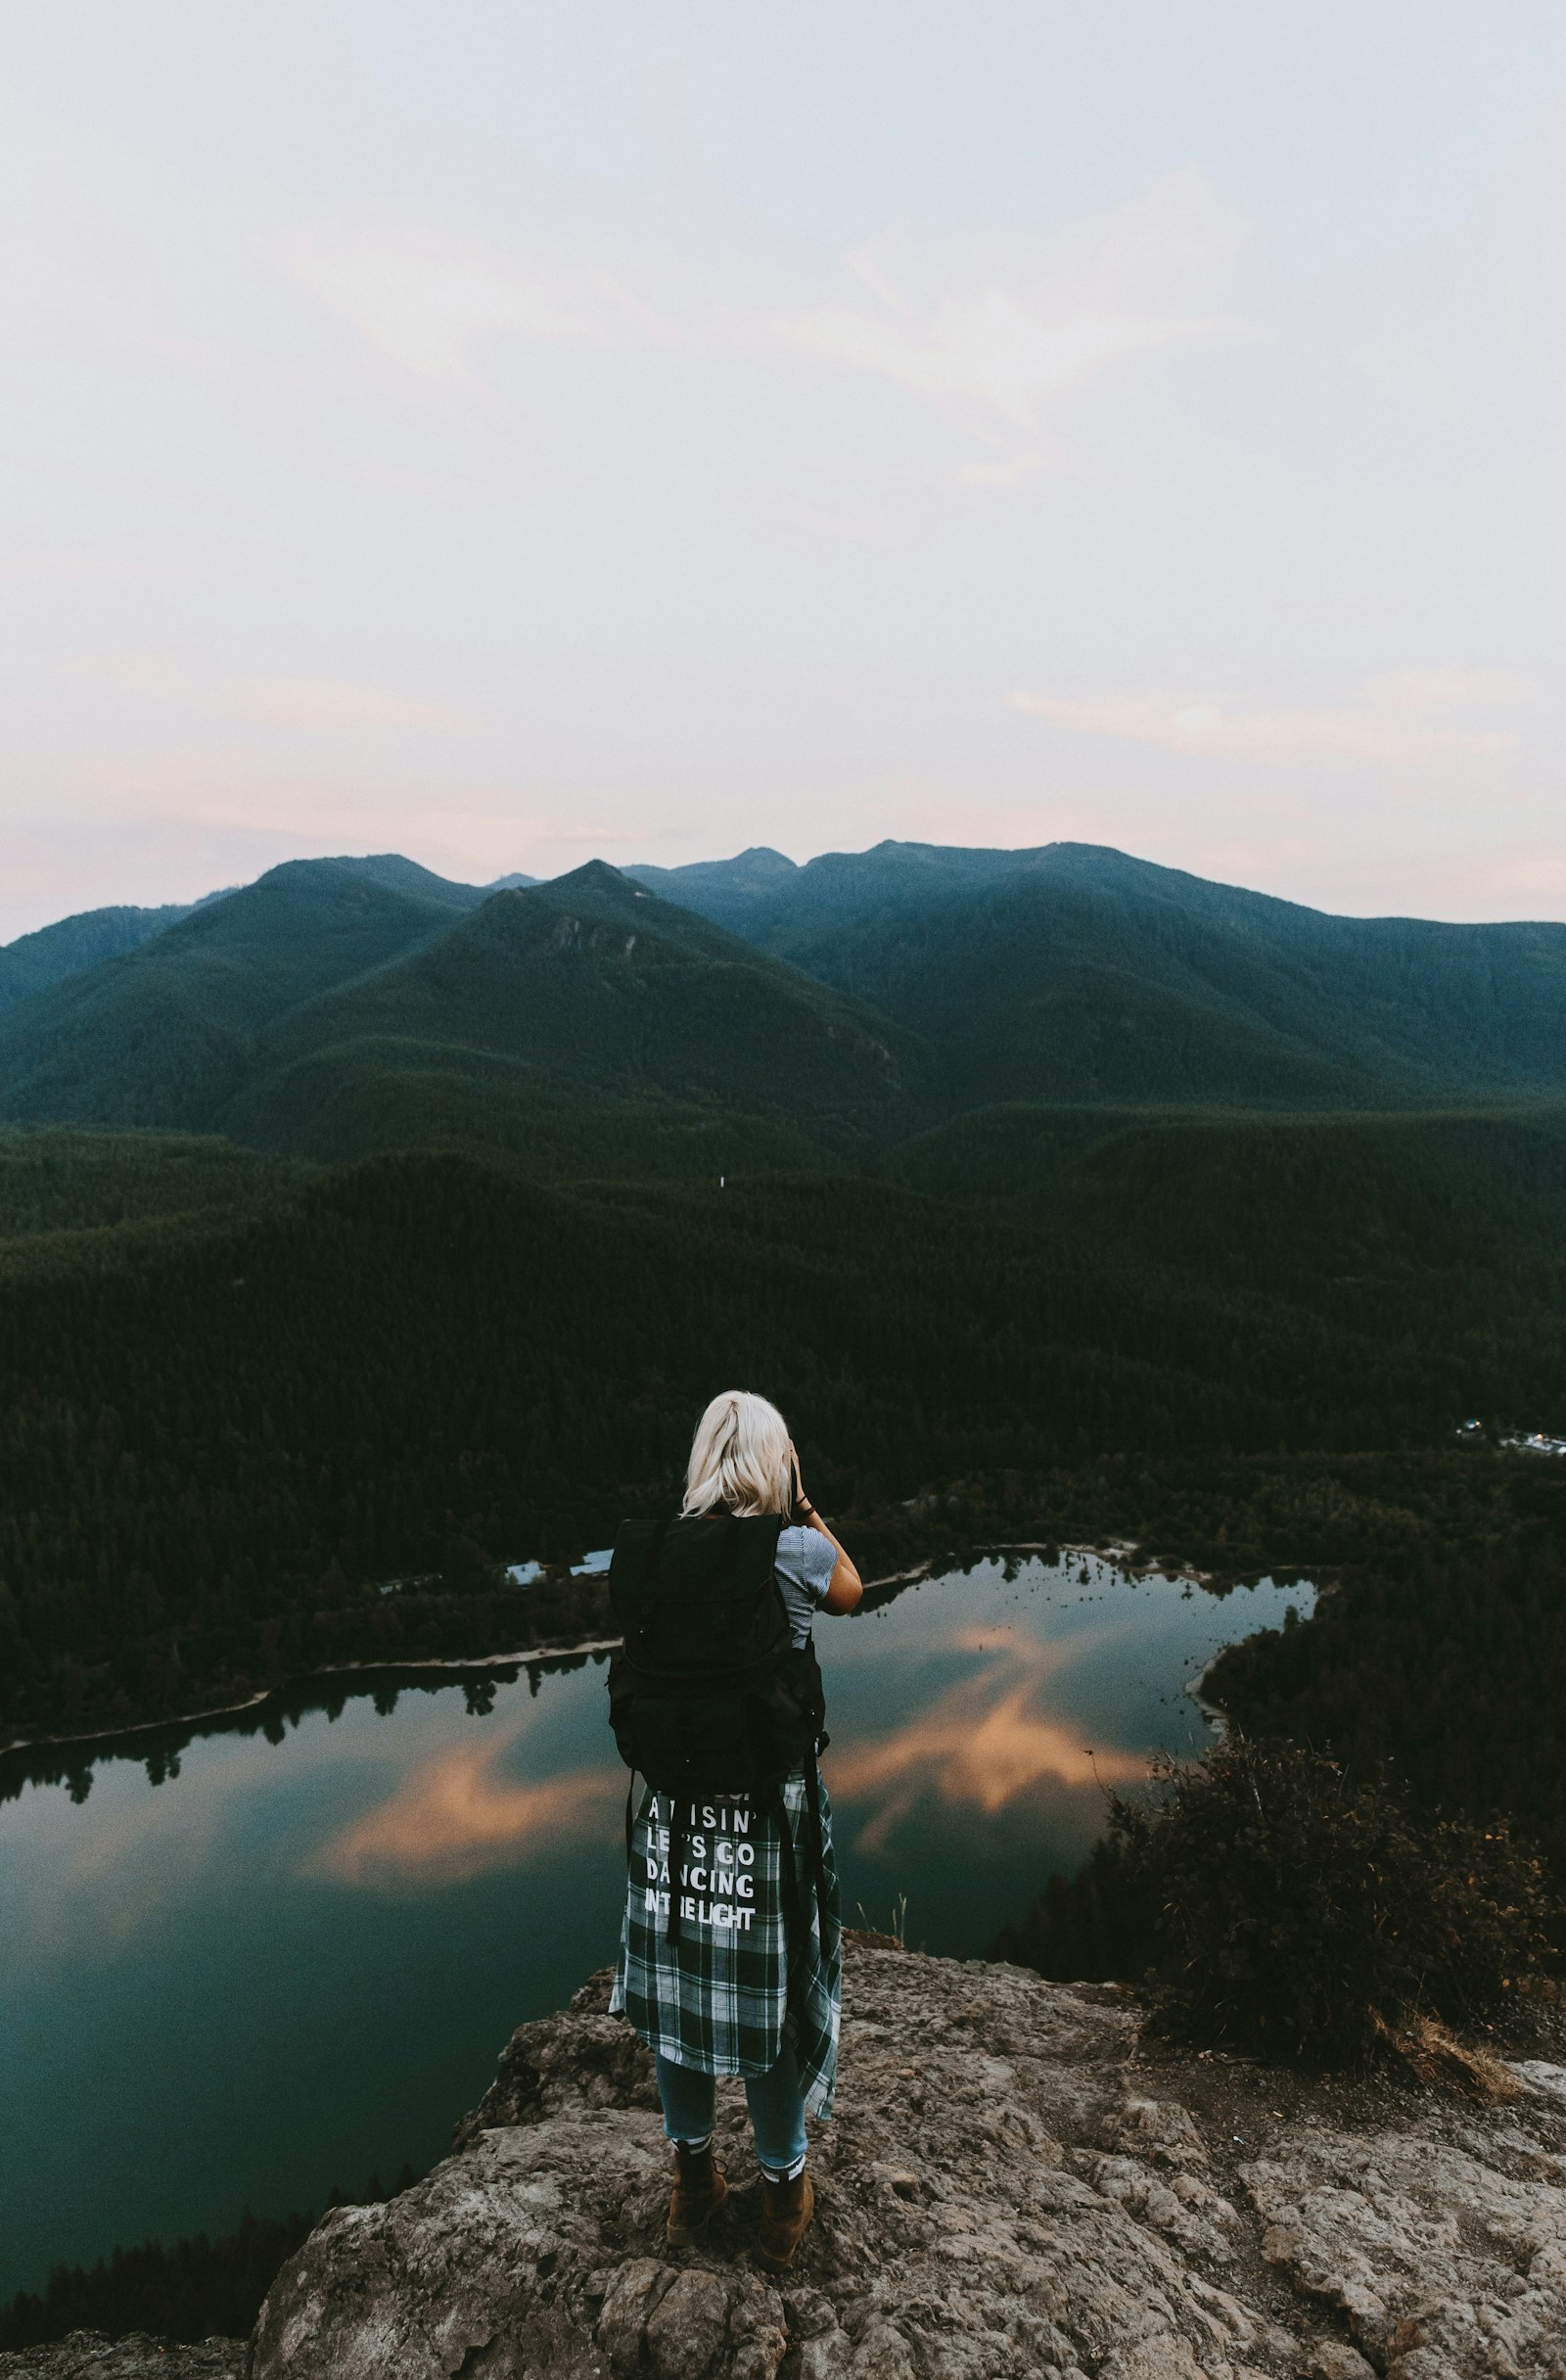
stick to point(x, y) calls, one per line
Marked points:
point(708, 1694)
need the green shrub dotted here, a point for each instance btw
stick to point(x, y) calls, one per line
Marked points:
point(1299, 1910)
point(1271, 1904)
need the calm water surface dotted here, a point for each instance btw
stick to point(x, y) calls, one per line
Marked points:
point(293, 1961)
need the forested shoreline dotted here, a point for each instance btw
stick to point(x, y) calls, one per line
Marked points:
point(223, 1435)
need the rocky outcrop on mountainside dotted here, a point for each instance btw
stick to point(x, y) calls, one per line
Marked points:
point(1018, 2181)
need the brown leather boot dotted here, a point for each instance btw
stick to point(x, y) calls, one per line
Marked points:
point(786, 2211)
point(699, 2191)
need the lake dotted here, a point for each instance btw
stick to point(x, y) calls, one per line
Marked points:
point(248, 1960)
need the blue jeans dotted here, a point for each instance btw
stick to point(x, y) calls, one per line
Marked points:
point(776, 2104)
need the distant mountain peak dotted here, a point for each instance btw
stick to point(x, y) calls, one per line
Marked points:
point(755, 860)
point(593, 877)
point(759, 856)
point(387, 870)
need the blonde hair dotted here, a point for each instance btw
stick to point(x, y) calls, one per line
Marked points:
point(740, 1457)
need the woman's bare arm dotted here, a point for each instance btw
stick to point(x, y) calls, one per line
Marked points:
point(846, 1585)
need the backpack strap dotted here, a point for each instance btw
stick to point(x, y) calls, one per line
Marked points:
point(812, 1795)
point(646, 1590)
point(788, 1895)
point(731, 1554)
point(632, 1583)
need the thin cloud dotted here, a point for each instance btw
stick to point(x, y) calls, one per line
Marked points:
point(39, 570)
point(428, 301)
point(337, 702)
point(989, 331)
point(1436, 690)
point(987, 356)
point(1210, 730)
point(992, 332)
point(168, 679)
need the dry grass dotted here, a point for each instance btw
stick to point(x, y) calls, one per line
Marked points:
point(1434, 2053)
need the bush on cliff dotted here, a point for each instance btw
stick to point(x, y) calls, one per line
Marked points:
point(1273, 1904)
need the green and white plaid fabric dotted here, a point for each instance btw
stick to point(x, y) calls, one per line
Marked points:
point(750, 1970)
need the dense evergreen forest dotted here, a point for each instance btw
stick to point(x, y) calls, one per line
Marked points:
point(1445, 1658)
point(224, 1433)
point(53, 1179)
point(36, 961)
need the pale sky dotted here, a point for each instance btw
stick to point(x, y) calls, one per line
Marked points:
point(506, 434)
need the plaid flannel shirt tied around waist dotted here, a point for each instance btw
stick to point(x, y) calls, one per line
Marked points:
point(749, 1968)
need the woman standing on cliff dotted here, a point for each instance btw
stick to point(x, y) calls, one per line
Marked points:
point(731, 1957)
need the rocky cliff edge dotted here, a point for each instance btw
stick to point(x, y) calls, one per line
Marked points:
point(1018, 2181)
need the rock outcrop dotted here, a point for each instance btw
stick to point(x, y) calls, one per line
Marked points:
point(1018, 2181)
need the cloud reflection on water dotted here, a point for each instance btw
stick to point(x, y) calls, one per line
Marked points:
point(984, 1741)
point(452, 1818)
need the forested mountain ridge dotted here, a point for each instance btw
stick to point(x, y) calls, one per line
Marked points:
point(727, 890)
point(395, 874)
point(165, 1035)
point(334, 1007)
point(33, 962)
point(588, 1013)
point(1074, 972)
point(338, 1006)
